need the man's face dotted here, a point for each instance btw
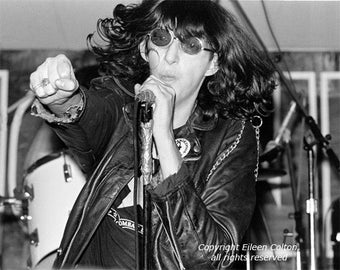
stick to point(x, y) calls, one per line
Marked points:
point(183, 71)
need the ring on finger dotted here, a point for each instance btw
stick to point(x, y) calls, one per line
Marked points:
point(44, 82)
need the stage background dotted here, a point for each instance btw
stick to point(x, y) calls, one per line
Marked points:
point(309, 38)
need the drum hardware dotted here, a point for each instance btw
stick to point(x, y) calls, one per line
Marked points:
point(28, 195)
point(28, 192)
point(8, 201)
point(34, 238)
point(67, 173)
point(286, 234)
point(67, 170)
point(23, 195)
point(25, 213)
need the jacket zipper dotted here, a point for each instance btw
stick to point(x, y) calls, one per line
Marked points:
point(171, 241)
point(173, 238)
point(83, 215)
point(100, 218)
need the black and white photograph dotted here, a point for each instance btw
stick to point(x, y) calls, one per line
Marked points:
point(170, 134)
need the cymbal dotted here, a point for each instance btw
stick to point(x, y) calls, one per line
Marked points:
point(265, 174)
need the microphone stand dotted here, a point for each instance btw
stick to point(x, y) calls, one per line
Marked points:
point(299, 235)
point(146, 170)
point(311, 203)
point(321, 140)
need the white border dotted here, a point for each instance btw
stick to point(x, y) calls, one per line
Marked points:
point(4, 75)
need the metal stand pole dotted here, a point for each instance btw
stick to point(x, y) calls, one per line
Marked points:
point(299, 238)
point(335, 237)
point(146, 170)
point(311, 203)
point(1, 240)
point(298, 259)
point(147, 229)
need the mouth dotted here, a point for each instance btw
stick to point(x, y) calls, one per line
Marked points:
point(167, 77)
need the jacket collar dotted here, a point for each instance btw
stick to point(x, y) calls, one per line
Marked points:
point(199, 122)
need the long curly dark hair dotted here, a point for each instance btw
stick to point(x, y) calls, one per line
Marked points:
point(240, 88)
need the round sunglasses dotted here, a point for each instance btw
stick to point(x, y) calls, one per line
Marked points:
point(163, 37)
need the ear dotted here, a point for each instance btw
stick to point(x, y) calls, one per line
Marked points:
point(213, 68)
point(142, 50)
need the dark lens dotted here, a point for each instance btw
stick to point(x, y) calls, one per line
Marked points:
point(192, 45)
point(160, 37)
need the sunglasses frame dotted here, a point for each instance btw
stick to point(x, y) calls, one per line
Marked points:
point(173, 37)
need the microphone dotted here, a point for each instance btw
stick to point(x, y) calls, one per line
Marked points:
point(146, 98)
point(275, 147)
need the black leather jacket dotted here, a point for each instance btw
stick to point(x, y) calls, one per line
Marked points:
point(207, 205)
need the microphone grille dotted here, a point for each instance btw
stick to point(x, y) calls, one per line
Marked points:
point(146, 96)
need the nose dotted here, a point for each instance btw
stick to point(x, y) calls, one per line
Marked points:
point(172, 53)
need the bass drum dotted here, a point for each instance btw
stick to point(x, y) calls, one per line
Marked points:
point(51, 185)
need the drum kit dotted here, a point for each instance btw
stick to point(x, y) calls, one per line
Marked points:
point(45, 198)
point(50, 188)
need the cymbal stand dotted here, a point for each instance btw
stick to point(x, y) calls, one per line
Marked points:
point(311, 202)
point(299, 232)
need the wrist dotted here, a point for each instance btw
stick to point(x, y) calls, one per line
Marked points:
point(162, 134)
point(63, 107)
point(66, 112)
point(169, 156)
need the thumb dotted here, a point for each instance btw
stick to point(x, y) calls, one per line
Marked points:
point(67, 84)
point(64, 69)
point(66, 79)
point(137, 88)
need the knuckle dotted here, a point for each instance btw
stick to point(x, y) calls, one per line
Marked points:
point(32, 77)
point(40, 92)
point(50, 90)
point(62, 58)
point(41, 69)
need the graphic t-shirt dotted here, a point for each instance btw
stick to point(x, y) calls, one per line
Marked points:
point(113, 244)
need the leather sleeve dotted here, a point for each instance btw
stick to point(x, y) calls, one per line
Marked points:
point(217, 216)
point(88, 136)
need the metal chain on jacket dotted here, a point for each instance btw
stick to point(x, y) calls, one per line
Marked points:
point(257, 126)
point(227, 152)
point(257, 123)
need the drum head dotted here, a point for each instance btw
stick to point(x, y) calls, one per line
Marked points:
point(54, 183)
